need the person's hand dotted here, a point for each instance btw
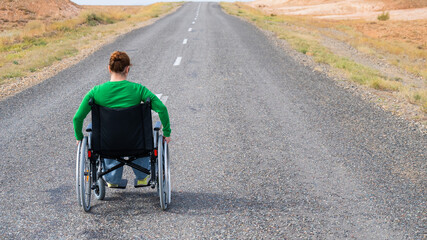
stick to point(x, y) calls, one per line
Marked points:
point(168, 139)
point(78, 142)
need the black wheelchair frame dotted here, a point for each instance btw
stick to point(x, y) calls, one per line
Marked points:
point(90, 167)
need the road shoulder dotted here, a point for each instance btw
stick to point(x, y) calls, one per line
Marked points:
point(11, 88)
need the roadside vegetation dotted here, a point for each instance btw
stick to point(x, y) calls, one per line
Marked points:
point(305, 34)
point(39, 44)
point(384, 16)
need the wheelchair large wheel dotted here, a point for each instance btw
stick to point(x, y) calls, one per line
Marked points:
point(163, 174)
point(100, 184)
point(79, 199)
point(168, 173)
point(85, 176)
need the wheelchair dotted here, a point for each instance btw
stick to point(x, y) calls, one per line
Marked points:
point(123, 134)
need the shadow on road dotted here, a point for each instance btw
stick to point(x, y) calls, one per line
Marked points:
point(183, 203)
point(193, 203)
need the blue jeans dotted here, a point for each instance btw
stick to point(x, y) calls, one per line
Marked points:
point(115, 176)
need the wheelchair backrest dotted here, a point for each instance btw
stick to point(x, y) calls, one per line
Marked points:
point(118, 132)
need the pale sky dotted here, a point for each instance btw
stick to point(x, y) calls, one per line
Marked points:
point(133, 2)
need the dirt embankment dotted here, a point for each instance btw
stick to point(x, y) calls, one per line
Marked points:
point(346, 9)
point(15, 13)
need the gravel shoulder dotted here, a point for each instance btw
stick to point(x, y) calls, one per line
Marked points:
point(392, 102)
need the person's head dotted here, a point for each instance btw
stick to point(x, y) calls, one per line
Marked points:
point(119, 63)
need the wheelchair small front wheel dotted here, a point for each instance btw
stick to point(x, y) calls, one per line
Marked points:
point(100, 189)
point(85, 174)
point(100, 184)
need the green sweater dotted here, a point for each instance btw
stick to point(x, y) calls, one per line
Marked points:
point(120, 94)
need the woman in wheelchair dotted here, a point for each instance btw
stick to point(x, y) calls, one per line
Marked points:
point(120, 93)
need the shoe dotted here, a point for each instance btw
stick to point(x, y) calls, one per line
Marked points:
point(121, 184)
point(111, 185)
point(143, 182)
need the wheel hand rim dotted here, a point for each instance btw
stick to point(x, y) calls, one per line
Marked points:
point(85, 176)
point(79, 200)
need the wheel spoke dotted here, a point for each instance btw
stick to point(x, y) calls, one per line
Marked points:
point(161, 176)
point(85, 176)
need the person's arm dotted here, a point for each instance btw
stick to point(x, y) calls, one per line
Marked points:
point(81, 114)
point(160, 108)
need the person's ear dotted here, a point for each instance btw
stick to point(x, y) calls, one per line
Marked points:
point(109, 69)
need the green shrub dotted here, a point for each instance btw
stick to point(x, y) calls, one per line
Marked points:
point(11, 75)
point(93, 19)
point(303, 47)
point(109, 20)
point(34, 41)
point(417, 97)
point(63, 29)
point(384, 16)
point(71, 51)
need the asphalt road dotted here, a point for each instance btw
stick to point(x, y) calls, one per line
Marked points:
point(263, 148)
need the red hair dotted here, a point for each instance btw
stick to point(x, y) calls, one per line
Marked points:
point(119, 61)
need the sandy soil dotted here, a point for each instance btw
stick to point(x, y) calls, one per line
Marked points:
point(18, 12)
point(346, 9)
point(402, 15)
point(412, 32)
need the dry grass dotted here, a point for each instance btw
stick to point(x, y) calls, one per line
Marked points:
point(417, 97)
point(304, 34)
point(38, 44)
point(402, 44)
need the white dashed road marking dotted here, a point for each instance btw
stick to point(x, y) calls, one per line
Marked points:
point(162, 98)
point(177, 61)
